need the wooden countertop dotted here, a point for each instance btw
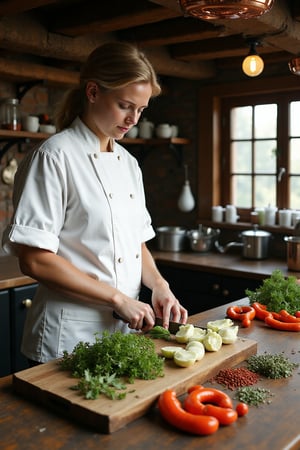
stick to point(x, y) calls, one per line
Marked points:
point(224, 264)
point(227, 264)
point(10, 274)
point(270, 426)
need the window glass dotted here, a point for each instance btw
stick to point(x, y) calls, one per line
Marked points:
point(295, 192)
point(241, 188)
point(265, 121)
point(265, 191)
point(294, 119)
point(241, 156)
point(295, 156)
point(265, 156)
point(241, 123)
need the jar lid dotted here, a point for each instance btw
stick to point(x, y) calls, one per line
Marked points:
point(12, 101)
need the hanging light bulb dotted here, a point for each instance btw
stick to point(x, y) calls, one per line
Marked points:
point(226, 9)
point(253, 64)
point(186, 201)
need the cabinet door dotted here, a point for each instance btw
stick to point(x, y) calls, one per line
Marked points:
point(18, 297)
point(5, 348)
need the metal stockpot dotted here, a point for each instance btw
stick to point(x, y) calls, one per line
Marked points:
point(202, 240)
point(255, 244)
point(171, 239)
point(293, 252)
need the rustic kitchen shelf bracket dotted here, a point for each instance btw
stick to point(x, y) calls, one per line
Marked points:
point(8, 145)
point(23, 88)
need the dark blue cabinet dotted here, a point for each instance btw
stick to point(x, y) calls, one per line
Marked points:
point(13, 306)
point(20, 299)
point(199, 291)
point(5, 347)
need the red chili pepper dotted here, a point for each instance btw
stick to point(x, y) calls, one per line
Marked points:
point(297, 313)
point(283, 326)
point(243, 313)
point(172, 411)
point(287, 317)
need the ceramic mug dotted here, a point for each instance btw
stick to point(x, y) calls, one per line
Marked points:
point(285, 217)
point(217, 213)
point(31, 123)
point(230, 214)
point(270, 215)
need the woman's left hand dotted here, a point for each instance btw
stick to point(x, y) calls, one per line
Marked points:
point(166, 305)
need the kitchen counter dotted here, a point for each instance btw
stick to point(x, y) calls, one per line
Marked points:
point(226, 264)
point(10, 274)
point(273, 426)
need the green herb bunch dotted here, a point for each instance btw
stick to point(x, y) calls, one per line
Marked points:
point(277, 293)
point(271, 366)
point(129, 356)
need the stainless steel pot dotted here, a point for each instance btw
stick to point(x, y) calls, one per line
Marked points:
point(255, 244)
point(171, 239)
point(203, 239)
point(293, 252)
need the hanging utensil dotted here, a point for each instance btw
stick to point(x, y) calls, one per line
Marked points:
point(186, 201)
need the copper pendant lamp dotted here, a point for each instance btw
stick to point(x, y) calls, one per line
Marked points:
point(294, 65)
point(225, 9)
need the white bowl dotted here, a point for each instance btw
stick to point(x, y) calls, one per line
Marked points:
point(46, 128)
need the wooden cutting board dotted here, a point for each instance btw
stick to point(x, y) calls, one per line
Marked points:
point(50, 386)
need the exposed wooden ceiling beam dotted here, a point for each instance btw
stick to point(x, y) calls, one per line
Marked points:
point(171, 31)
point(103, 17)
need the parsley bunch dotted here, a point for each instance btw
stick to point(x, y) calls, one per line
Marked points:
point(115, 355)
point(277, 293)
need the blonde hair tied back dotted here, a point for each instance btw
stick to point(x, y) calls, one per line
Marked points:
point(112, 65)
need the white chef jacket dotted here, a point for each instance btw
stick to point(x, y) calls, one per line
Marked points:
point(88, 207)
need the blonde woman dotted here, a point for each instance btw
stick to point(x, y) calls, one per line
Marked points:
point(80, 222)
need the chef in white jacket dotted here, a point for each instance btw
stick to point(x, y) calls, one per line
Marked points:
point(80, 222)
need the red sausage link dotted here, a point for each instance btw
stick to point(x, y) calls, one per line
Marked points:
point(172, 411)
point(243, 313)
point(283, 326)
point(225, 416)
point(194, 401)
point(286, 317)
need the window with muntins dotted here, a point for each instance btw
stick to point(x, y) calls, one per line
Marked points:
point(261, 151)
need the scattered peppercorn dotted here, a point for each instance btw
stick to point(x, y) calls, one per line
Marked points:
point(237, 377)
point(253, 396)
point(271, 366)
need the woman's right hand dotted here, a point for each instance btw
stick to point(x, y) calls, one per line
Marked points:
point(138, 315)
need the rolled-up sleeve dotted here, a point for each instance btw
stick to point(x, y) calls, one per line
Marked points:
point(39, 204)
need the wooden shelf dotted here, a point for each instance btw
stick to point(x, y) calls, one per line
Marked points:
point(174, 144)
point(7, 134)
point(155, 141)
point(17, 137)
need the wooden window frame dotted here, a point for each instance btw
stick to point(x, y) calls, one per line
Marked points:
point(210, 151)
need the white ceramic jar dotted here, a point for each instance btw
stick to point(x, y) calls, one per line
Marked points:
point(164, 130)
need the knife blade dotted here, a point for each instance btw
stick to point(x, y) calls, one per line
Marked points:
point(173, 326)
